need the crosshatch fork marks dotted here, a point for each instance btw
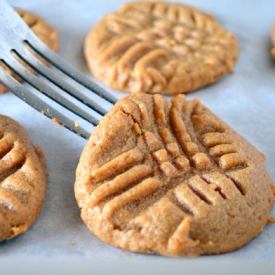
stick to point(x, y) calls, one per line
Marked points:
point(167, 141)
point(10, 171)
point(5, 147)
point(12, 160)
point(12, 155)
point(160, 47)
point(184, 191)
point(23, 178)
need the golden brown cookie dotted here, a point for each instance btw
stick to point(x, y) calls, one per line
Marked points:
point(170, 177)
point(45, 33)
point(273, 41)
point(159, 47)
point(23, 179)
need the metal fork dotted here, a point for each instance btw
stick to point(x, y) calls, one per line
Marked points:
point(14, 33)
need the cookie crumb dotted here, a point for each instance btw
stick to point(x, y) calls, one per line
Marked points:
point(55, 120)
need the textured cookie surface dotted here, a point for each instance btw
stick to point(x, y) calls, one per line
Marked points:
point(159, 47)
point(169, 177)
point(273, 41)
point(42, 30)
point(23, 179)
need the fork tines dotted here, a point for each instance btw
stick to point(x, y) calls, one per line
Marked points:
point(17, 45)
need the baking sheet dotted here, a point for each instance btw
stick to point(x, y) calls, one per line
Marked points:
point(59, 240)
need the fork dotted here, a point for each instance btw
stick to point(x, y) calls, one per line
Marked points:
point(14, 35)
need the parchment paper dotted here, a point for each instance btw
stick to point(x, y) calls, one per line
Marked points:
point(245, 100)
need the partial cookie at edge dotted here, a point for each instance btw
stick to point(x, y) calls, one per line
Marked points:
point(23, 178)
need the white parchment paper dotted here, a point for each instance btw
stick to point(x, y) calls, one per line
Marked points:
point(245, 100)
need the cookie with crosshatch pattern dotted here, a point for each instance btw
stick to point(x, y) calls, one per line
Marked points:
point(159, 47)
point(170, 177)
point(23, 179)
point(42, 30)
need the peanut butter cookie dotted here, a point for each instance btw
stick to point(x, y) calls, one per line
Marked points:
point(45, 33)
point(23, 179)
point(170, 177)
point(158, 47)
